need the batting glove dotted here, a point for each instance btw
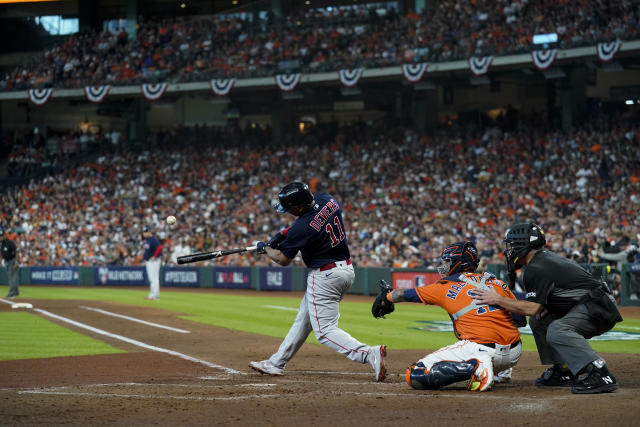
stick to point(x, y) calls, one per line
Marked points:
point(261, 247)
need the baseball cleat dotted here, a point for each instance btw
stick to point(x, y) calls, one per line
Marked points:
point(556, 376)
point(267, 368)
point(599, 380)
point(503, 377)
point(482, 378)
point(376, 360)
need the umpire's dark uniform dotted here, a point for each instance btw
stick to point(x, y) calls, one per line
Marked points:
point(8, 251)
point(580, 307)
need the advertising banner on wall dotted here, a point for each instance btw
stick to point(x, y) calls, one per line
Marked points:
point(54, 275)
point(410, 279)
point(121, 276)
point(276, 279)
point(232, 277)
point(184, 277)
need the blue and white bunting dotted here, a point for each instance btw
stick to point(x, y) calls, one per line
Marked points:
point(222, 87)
point(40, 96)
point(480, 65)
point(96, 94)
point(414, 72)
point(153, 91)
point(350, 78)
point(606, 51)
point(288, 82)
point(544, 58)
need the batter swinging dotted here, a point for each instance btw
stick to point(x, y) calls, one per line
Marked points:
point(318, 233)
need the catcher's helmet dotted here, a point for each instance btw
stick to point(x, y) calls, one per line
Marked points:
point(458, 257)
point(519, 240)
point(292, 195)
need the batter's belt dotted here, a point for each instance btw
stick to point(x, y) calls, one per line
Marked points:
point(493, 345)
point(334, 265)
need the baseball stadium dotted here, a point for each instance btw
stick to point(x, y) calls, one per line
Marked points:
point(314, 212)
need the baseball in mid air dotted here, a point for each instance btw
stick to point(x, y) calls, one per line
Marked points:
point(171, 220)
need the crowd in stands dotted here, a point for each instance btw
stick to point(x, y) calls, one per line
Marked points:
point(198, 49)
point(405, 195)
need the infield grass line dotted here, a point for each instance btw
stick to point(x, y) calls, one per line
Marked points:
point(134, 319)
point(136, 342)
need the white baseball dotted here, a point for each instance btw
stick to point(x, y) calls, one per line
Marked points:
point(171, 220)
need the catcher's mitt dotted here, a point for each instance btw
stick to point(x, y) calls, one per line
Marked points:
point(381, 306)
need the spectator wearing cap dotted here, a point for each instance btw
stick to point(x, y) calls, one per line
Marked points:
point(153, 260)
point(8, 250)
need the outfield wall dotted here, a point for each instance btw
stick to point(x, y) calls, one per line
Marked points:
point(265, 278)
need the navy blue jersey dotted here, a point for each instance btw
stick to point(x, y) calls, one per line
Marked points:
point(152, 248)
point(318, 234)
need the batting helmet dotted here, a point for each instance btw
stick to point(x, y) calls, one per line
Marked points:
point(292, 195)
point(519, 240)
point(458, 257)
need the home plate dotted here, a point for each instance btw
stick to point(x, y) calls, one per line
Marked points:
point(22, 305)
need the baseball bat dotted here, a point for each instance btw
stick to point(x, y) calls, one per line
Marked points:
point(203, 256)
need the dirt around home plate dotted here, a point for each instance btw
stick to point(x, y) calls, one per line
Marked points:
point(320, 387)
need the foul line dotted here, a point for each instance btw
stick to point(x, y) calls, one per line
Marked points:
point(138, 343)
point(149, 396)
point(133, 319)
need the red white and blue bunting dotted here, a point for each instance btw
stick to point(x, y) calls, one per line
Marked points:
point(153, 91)
point(96, 94)
point(414, 72)
point(222, 87)
point(350, 78)
point(544, 58)
point(606, 51)
point(288, 82)
point(480, 65)
point(40, 96)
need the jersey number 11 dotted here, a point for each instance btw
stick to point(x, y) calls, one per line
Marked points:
point(332, 234)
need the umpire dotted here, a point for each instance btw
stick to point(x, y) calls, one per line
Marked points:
point(566, 305)
point(8, 249)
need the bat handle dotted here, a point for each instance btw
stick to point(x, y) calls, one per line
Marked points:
point(251, 248)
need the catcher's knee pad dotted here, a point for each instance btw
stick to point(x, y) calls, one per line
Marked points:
point(440, 375)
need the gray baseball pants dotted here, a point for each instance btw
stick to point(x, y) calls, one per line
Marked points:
point(564, 340)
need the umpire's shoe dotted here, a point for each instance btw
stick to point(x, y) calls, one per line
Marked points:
point(598, 380)
point(556, 376)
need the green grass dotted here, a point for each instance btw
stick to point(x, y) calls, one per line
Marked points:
point(251, 313)
point(26, 336)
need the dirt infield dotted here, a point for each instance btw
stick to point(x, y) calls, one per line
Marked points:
point(148, 387)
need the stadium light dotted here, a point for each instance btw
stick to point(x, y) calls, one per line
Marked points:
point(629, 102)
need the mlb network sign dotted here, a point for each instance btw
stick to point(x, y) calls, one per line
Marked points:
point(118, 276)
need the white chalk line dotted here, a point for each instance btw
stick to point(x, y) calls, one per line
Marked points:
point(138, 343)
point(149, 396)
point(6, 301)
point(134, 319)
point(280, 307)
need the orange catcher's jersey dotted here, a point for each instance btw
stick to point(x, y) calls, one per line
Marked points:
point(473, 322)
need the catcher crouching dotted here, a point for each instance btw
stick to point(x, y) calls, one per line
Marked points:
point(488, 336)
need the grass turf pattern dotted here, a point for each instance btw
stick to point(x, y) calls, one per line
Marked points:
point(27, 336)
point(264, 314)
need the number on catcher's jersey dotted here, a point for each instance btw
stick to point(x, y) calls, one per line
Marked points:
point(336, 238)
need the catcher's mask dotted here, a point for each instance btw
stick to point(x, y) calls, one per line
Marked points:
point(292, 195)
point(519, 240)
point(458, 257)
